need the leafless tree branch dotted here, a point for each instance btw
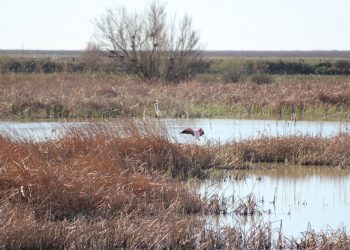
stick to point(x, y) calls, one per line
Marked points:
point(149, 45)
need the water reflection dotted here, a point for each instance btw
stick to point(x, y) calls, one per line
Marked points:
point(36, 131)
point(295, 196)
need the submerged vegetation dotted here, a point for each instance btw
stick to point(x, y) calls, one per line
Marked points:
point(105, 185)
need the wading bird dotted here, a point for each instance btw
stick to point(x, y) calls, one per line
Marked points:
point(157, 110)
point(196, 133)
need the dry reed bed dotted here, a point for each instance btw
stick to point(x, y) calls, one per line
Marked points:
point(69, 95)
point(97, 186)
point(95, 172)
point(105, 186)
point(295, 150)
point(21, 230)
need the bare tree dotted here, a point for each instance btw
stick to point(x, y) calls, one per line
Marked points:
point(150, 44)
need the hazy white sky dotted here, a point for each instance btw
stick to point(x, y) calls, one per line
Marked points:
point(223, 24)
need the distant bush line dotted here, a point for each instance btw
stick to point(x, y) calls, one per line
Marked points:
point(230, 69)
point(339, 67)
point(19, 65)
point(236, 70)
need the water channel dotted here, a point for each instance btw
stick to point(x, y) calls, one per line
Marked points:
point(216, 130)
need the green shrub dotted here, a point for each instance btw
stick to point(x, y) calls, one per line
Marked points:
point(29, 66)
point(8, 64)
point(342, 67)
point(281, 67)
point(51, 67)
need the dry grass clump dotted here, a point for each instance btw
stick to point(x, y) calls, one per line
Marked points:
point(20, 229)
point(302, 150)
point(248, 206)
point(329, 239)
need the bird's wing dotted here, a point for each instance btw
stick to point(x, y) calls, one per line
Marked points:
point(201, 132)
point(187, 131)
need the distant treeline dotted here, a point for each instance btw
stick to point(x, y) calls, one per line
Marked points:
point(213, 66)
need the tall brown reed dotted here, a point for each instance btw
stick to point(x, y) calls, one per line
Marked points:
point(295, 150)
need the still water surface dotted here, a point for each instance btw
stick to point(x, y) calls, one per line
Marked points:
point(314, 196)
point(217, 130)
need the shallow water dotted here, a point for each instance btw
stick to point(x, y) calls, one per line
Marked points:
point(224, 130)
point(318, 197)
point(217, 130)
point(36, 131)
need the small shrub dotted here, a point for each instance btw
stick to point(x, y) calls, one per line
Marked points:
point(75, 67)
point(261, 78)
point(8, 64)
point(324, 68)
point(29, 66)
point(234, 75)
point(51, 67)
point(342, 67)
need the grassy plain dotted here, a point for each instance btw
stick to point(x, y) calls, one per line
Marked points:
point(63, 95)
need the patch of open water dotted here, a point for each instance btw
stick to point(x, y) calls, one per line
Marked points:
point(297, 197)
point(225, 130)
point(216, 130)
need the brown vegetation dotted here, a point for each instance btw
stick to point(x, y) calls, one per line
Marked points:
point(94, 187)
point(86, 96)
point(292, 150)
point(102, 186)
point(107, 186)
